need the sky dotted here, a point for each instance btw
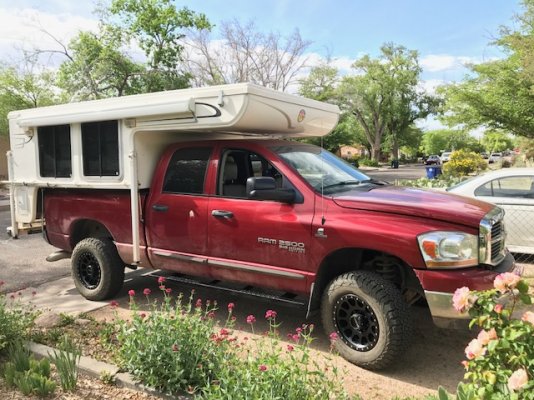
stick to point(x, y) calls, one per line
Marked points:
point(446, 33)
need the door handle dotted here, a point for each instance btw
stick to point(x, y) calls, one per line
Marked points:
point(222, 214)
point(160, 207)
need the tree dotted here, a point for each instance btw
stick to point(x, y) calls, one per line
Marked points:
point(158, 27)
point(24, 88)
point(496, 141)
point(98, 65)
point(437, 141)
point(246, 55)
point(320, 84)
point(500, 95)
point(95, 68)
point(383, 95)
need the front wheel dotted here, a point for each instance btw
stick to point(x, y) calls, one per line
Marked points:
point(369, 316)
point(97, 269)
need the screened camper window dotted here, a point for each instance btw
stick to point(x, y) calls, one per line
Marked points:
point(54, 151)
point(100, 148)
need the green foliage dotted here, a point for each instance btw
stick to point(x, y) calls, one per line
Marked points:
point(320, 84)
point(495, 141)
point(499, 361)
point(272, 370)
point(440, 182)
point(15, 320)
point(178, 346)
point(20, 89)
point(173, 347)
point(26, 373)
point(346, 132)
point(98, 68)
point(438, 141)
point(463, 163)
point(499, 94)
point(66, 360)
point(383, 95)
point(368, 162)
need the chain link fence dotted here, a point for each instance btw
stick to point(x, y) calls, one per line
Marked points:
point(519, 222)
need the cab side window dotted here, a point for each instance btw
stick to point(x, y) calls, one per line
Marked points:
point(186, 172)
point(236, 166)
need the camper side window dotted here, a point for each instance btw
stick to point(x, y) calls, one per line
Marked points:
point(54, 151)
point(100, 148)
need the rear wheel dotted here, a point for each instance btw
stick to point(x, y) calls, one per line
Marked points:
point(369, 316)
point(97, 269)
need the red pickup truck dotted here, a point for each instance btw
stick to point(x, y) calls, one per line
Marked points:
point(291, 217)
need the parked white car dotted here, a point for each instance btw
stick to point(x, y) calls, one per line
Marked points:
point(495, 158)
point(445, 156)
point(513, 190)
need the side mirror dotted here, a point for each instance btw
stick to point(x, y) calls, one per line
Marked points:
point(264, 188)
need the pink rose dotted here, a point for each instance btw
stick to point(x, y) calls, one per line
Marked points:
point(263, 368)
point(131, 293)
point(147, 291)
point(474, 349)
point(230, 306)
point(517, 380)
point(290, 348)
point(161, 279)
point(484, 337)
point(498, 308)
point(460, 299)
point(333, 336)
point(528, 317)
point(506, 281)
point(251, 319)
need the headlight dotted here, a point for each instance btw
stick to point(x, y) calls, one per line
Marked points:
point(449, 249)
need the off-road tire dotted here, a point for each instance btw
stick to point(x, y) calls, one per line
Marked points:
point(370, 317)
point(97, 270)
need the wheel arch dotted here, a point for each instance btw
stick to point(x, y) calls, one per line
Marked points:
point(388, 266)
point(86, 228)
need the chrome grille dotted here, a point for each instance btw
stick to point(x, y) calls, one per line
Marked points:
point(497, 241)
point(491, 238)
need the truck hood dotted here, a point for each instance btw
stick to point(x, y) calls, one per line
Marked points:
point(422, 203)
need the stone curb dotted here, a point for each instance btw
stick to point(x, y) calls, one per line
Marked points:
point(95, 368)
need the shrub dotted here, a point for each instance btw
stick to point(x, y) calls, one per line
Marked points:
point(177, 346)
point(463, 162)
point(442, 181)
point(273, 370)
point(173, 347)
point(368, 162)
point(15, 320)
point(499, 361)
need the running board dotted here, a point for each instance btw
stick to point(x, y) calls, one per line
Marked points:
point(287, 298)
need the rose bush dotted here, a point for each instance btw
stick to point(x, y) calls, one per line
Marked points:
point(500, 360)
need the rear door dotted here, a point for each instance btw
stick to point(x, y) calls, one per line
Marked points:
point(176, 214)
point(266, 242)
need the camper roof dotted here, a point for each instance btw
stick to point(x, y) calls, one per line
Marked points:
point(237, 108)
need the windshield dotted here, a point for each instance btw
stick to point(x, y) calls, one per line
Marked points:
point(321, 169)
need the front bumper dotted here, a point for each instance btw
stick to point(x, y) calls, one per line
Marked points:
point(440, 301)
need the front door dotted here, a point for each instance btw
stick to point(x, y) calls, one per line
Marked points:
point(267, 242)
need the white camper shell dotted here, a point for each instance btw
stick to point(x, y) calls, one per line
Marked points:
point(116, 143)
